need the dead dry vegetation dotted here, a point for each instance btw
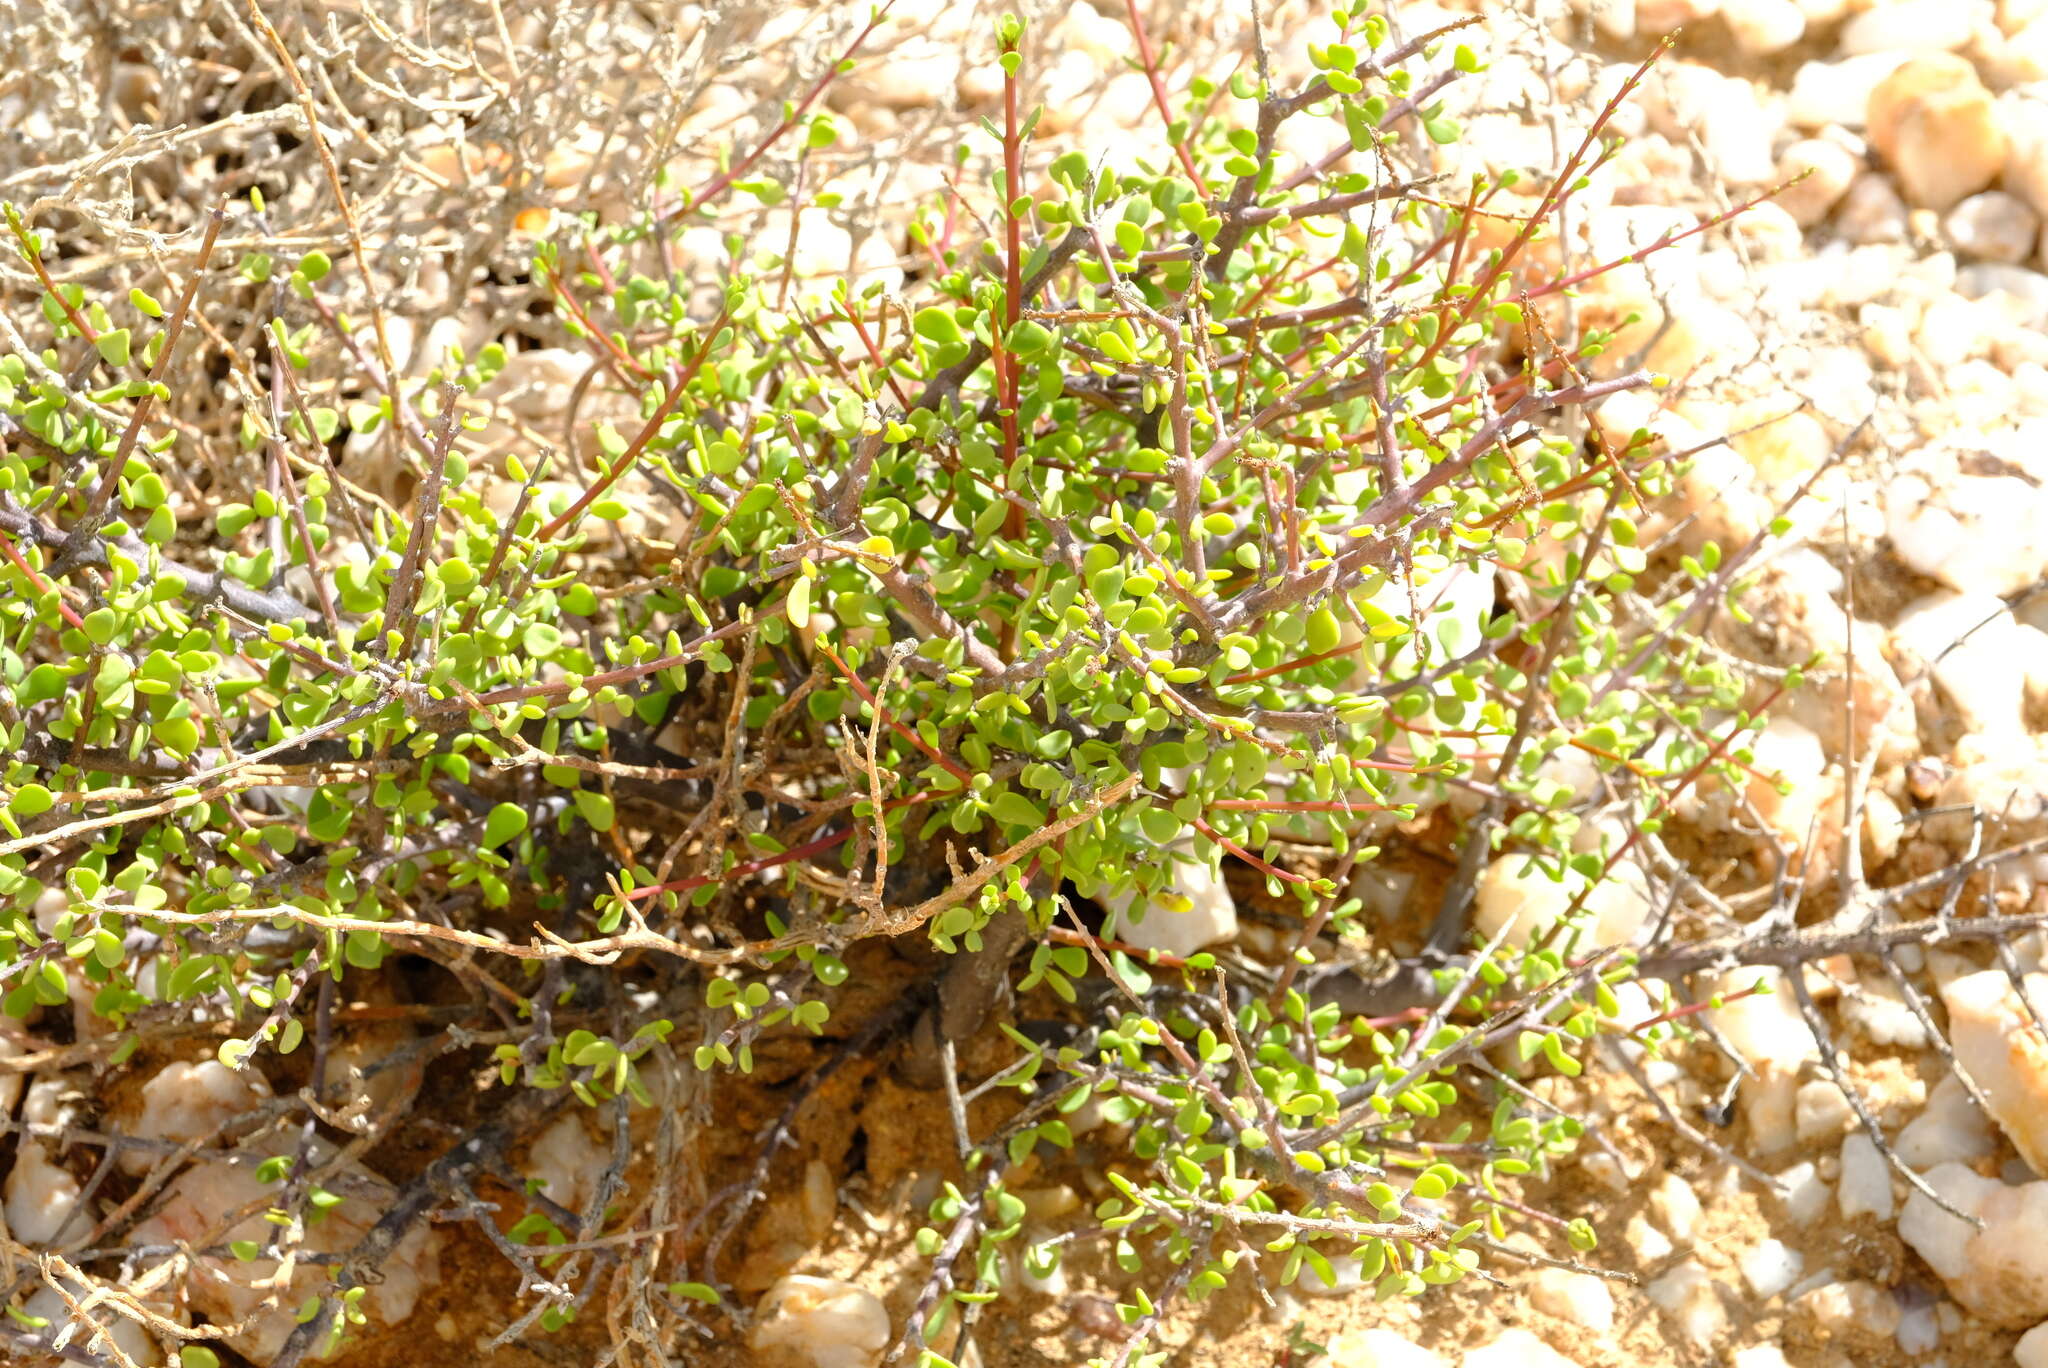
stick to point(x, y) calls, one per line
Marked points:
point(1191, 683)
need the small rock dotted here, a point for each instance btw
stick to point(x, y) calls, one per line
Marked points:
point(1762, 27)
point(1194, 909)
point(1996, 1041)
point(1950, 1130)
point(1676, 1207)
point(1516, 1349)
point(1579, 1298)
point(1735, 131)
point(39, 1195)
point(1980, 657)
point(2022, 293)
point(1993, 226)
point(1689, 1295)
point(1866, 1185)
point(1771, 1267)
point(1858, 1311)
point(2032, 1350)
point(1999, 1272)
point(1806, 1194)
point(1760, 1356)
point(1877, 1008)
point(1954, 330)
point(1912, 26)
point(1659, 17)
point(189, 1101)
point(1780, 438)
point(2014, 15)
point(1378, 1348)
point(1616, 19)
point(824, 1322)
point(2018, 59)
point(1820, 1110)
point(129, 1338)
point(1872, 212)
point(2024, 119)
point(1887, 335)
point(1918, 1330)
point(1517, 894)
point(1650, 1244)
point(1701, 343)
point(1934, 121)
point(1828, 168)
point(1768, 1031)
point(565, 1162)
point(1979, 534)
point(1838, 92)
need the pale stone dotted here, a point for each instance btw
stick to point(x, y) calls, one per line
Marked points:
point(1838, 92)
point(1996, 1041)
point(1806, 1193)
point(1689, 1295)
point(1936, 124)
point(1768, 1031)
point(189, 1101)
point(1999, 1272)
point(1877, 1008)
point(1983, 660)
point(1378, 1348)
point(1993, 226)
point(1954, 330)
point(2014, 15)
point(1762, 27)
point(566, 1163)
point(1828, 169)
point(822, 1321)
point(1704, 342)
point(1516, 1348)
point(1615, 19)
point(1887, 334)
point(1760, 1356)
point(230, 1290)
point(1770, 1267)
point(1913, 26)
point(2017, 59)
point(2019, 293)
point(1524, 898)
point(1978, 534)
point(1854, 1309)
point(40, 1196)
point(1650, 1244)
point(2023, 116)
point(1770, 236)
point(1950, 1130)
point(1780, 438)
point(1676, 1207)
point(1194, 909)
point(1871, 211)
point(1919, 1331)
point(1866, 1185)
point(1659, 17)
point(129, 1338)
point(1820, 1110)
point(1791, 789)
point(1579, 1298)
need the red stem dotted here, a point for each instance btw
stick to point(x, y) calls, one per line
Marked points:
point(718, 185)
point(677, 386)
point(1151, 64)
point(938, 757)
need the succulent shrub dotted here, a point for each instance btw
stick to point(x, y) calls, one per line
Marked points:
point(1176, 510)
